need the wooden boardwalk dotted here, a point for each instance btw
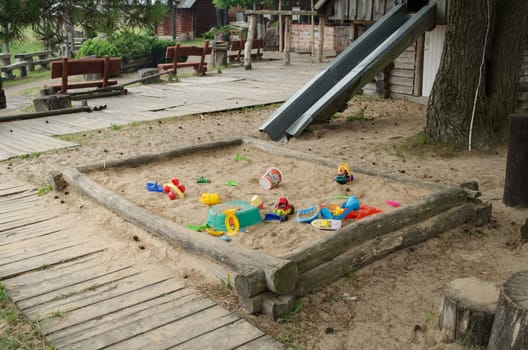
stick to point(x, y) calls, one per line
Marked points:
point(268, 82)
point(85, 294)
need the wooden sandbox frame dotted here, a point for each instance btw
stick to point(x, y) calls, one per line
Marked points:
point(270, 284)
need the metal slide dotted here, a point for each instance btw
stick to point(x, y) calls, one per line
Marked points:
point(332, 88)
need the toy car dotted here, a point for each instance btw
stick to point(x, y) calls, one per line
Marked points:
point(283, 208)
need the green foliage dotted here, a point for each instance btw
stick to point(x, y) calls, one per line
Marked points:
point(15, 16)
point(226, 282)
point(97, 47)
point(356, 117)
point(126, 45)
point(214, 31)
point(16, 332)
point(43, 190)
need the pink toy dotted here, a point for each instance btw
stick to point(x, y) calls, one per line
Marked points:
point(392, 203)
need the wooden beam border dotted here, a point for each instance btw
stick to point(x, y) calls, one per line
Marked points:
point(303, 269)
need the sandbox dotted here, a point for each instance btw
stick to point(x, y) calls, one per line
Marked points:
point(272, 262)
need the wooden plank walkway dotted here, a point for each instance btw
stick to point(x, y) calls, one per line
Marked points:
point(268, 82)
point(85, 294)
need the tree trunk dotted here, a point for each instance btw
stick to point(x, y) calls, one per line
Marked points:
point(462, 74)
point(467, 311)
point(510, 326)
point(249, 41)
point(5, 44)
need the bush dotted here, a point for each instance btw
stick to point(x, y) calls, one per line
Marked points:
point(214, 31)
point(126, 45)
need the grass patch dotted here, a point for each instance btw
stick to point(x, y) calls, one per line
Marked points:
point(421, 146)
point(17, 332)
point(36, 75)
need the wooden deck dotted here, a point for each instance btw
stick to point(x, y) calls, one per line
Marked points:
point(268, 83)
point(86, 294)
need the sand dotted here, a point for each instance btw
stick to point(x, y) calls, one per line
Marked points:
point(391, 304)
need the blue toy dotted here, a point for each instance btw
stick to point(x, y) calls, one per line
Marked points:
point(154, 187)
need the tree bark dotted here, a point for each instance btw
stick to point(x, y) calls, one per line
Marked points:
point(510, 327)
point(467, 311)
point(515, 184)
point(249, 41)
point(498, 33)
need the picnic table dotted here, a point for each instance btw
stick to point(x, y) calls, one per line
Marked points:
point(42, 58)
point(8, 67)
point(5, 58)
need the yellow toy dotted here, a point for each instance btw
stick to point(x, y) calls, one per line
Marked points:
point(210, 198)
point(214, 232)
point(231, 222)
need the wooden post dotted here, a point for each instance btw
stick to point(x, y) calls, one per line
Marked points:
point(312, 30)
point(510, 327)
point(287, 40)
point(321, 38)
point(419, 65)
point(515, 184)
point(106, 69)
point(279, 27)
point(3, 103)
point(64, 75)
point(249, 41)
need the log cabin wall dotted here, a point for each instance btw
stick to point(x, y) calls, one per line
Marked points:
point(192, 17)
point(337, 38)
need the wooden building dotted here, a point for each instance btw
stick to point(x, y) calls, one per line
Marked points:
point(192, 17)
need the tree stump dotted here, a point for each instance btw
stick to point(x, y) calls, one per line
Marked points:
point(3, 103)
point(145, 73)
point(467, 311)
point(510, 328)
point(51, 103)
point(524, 231)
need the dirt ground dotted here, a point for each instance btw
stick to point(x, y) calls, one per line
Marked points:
point(391, 304)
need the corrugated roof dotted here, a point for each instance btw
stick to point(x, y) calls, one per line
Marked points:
point(186, 4)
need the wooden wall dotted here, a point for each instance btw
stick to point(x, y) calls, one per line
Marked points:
point(362, 10)
point(197, 20)
point(398, 81)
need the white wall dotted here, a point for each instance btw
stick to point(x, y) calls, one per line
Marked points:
point(434, 43)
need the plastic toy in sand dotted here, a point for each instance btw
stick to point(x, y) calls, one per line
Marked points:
point(256, 201)
point(210, 198)
point(393, 204)
point(246, 214)
point(307, 214)
point(343, 175)
point(283, 209)
point(327, 224)
point(363, 211)
point(238, 157)
point(154, 187)
point(174, 189)
point(231, 221)
point(271, 178)
point(331, 211)
point(233, 183)
point(202, 180)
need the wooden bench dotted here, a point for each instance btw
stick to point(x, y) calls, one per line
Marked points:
point(175, 52)
point(65, 68)
point(237, 49)
point(8, 70)
point(30, 56)
point(44, 62)
point(5, 58)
